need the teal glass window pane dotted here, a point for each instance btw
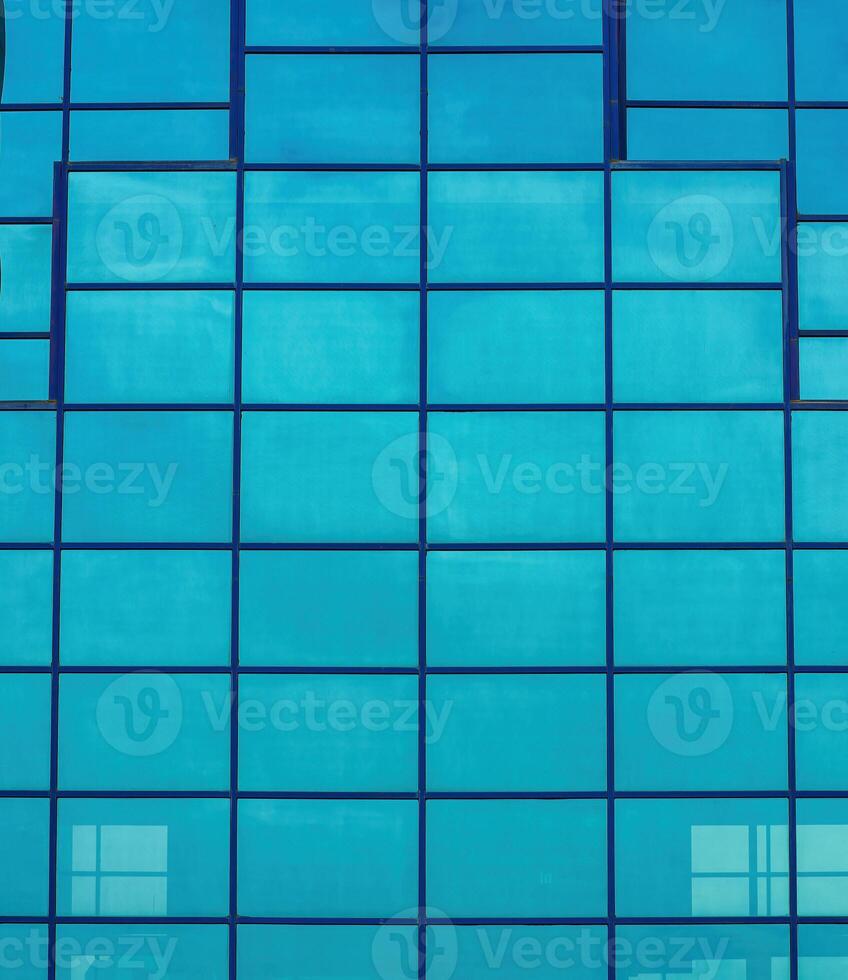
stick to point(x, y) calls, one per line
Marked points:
point(321, 733)
point(150, 134)
point(824, 368)
point(515, 227)
point(509, 733)
point(328, 609)
point(515, 347)
point(151, 227)
point(335, 108)
point(823, 276)
point(31, 143)
point(335, 346)
point(27, 468)
point(819, 465)
point(512, 608)
point(516, 476)
point(822, 951)
point(26, 607)
point(329, 476)
point(25, 255)
point(145, 608)
point(349, 858)
point(822, 136)
point(698, 476)
point(821, 71)
point(24, 856)
point(35, 53)
point(176, 53)
point(707, 134)
point(331, 227)
point(732, 52)
point(821, 731)
point(822, 857)
point(508, 108)
point(689, 226)
point(701, 857)
point(521, 858)
point(700, 732)
point(24, 370)
point(143, 857)
point(687, 608)
point(820, 581)
point(25, 732)
point(144, 731)
point(697, 346)
point(373, 23)
point(167, 951)
point(147, 476)
point(470, 22)
point(26, 948)
point(138, 346)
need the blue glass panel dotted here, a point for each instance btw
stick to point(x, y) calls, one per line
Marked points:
point(25, 732)
point(824, 368)
point(335, 346)
point(323, 608)
point(494, 22)
point(822, 145)
point(24, 856)
point(698, 476)
point(25, 268)
point(332, 108)
point(707, 134)
point(509, 108)
point(523, 858)
point(26, 607)
point(150, 134)
point(35, 52)
point(536, 608)
point(31, 142)
point(821, 731)
point(821, 613)
point(823, 276)
point(822, 857)
point(819, 466)
point(821, 71)
point(27, 468)
point(822, 952)
point(25, 950)
point(689, 608)
point(147, 476)
point(141, 346)
point(24, 370)
point(513, 347)
point(331, 23)
point(338, 857)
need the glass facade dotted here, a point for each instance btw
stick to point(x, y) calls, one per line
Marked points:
point(422, 489)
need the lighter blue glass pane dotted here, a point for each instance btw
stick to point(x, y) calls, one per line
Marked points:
point(823, 276)
point(27, 467)
point(496, 22)
point(143, 857)
point(25, 949)
point(534, 608)
point(821, 68)
point(148, 476)
point(515, 227)
point(25, 269)
point(698, 476)
point(319, 733)
point(30, 143)
point(322, 608)
point(332, 227)
point(25, 731)
point(144, 731)
point(178, 52)
point(821, 723)
point(142, 608)
point(821, 614)
point(819, 468)
point(149, 346)
point(697, 346)
point(24, 856)
point(329, 476)
point(24, 370)
point(700, 607)
point(696, 227)
point(698, 732)
point(822, 857)
point(824, 368)
point(734, 51)
point(523, 858)
point(150, 134)
point(335, 346)
point(513, 347)
point(822, 952)
point(516, 476)
point(333, 22)
point(26, 607)
point(151, 227)
point(35, 52)
point(163, 952)
point(332, 109)
point(701, 857)
point(352, 858)
point(509, 733)
point(822, 146)
point(510, 108)
point(707, 134)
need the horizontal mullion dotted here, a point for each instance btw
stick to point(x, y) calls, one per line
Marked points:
point(414, 50)
point(430, 795)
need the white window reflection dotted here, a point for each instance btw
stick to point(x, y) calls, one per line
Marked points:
point(726, 968)
point(119, 869)
point(822, 869)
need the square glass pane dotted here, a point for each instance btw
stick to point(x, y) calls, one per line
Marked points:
point(707, 134)
point(24, 370)
point(820, 581)
point(34, 52)
point(25, 256)
point(819, 468)
point(821, 731)
point(823, 276)
point(31, 142)
point(25, 856)
point(822, 136)
point(821, 71)
point(516, 22)
point(150, 134)
point(26, 607)
point(25, 732)
point(822, 857)
point(331, 23)
point(27, 470)
point(823, 368)
point(822, 951)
